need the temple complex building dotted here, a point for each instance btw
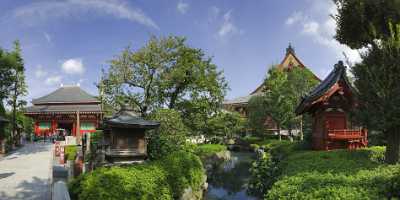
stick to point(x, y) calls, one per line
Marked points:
point(69, 110)
point(240, 104)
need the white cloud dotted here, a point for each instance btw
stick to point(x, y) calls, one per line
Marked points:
point(228, 27)
point(73, 66)
point(294, 18)
point(40, 72)
point(47, 36)
point(47, 10)
point(53, 80)
point(322, 31)
point(182, 7)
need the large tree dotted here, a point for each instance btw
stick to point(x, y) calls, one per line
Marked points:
point(18, 88)
point(283, 91)
point(360, 22)
point(377, 79)
point(166, 73)
point(369, 24)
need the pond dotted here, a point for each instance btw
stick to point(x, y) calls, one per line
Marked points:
point(228, 180)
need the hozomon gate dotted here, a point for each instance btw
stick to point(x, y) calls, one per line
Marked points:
point(68, 108)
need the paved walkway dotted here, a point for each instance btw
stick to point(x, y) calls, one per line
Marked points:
point(25, 174)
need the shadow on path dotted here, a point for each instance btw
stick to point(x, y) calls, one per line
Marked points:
point(37, 189)
point(5, 175)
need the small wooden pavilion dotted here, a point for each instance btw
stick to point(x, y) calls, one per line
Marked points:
point(330, 104)
point(124, 134)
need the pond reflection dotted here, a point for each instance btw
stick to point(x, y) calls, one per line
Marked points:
point(228, 180)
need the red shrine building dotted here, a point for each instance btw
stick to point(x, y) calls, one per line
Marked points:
point(330, 104)
point(69, 109)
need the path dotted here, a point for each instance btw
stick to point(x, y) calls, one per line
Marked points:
point(25, 174)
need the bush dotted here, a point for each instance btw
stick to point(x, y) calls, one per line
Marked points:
point(183, 170)
point(339, 174)
point(162, 179)
point(205, 150)
point(169, 137)
point(70, 152)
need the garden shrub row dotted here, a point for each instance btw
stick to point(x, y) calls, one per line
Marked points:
point(339, 174)
point(163, 179)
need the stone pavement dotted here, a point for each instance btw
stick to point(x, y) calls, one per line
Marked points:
point(25, 173)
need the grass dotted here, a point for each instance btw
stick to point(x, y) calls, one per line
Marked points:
point(205, 150)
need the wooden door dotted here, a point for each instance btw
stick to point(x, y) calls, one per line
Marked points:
point(336, 120)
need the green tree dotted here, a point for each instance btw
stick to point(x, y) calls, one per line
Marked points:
point(377, 79)
point(360, 22)
point(18, 88)
point(369, 24)
point(169, 137)
point(284, 89)
point(257, 113)
point(225, 124)
point(166, 72)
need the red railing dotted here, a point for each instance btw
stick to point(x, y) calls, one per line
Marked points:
point(345, 134)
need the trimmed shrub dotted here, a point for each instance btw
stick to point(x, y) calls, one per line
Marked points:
point(339, 174)
point(162, 179)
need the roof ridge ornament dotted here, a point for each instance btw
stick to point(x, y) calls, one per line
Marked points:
point(339, 65)
point(290, 49)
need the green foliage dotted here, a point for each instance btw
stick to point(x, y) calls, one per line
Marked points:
point(70, 152)
point(165, 72)
point(225, 124)
point(205, 150)
point(163, 179)
point(360, 22)
point(266, 170)
point(339, 174)
point(169, 137)
point(183, 170)
point(257, 113)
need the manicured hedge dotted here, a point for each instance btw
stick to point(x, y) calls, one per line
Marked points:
point(163, 179)
point(339, 174)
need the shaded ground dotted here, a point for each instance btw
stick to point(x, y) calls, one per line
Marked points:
point(25, 173)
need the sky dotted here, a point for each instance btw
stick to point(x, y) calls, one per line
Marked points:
point(69, 41)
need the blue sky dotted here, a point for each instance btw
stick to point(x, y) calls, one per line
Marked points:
point(68, 42)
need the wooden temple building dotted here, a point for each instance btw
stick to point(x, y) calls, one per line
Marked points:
point(330, 104)
point(239, 104)
point(69, 110)
point(124, 135)
point(3, 122)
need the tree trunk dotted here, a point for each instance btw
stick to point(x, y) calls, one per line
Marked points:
point(279, 132)
point(301, 129)
point(392, 147)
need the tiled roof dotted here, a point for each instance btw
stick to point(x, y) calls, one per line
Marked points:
point(66, 94)
point(240, 100)
point(338, 73)
point(63, 108)
point(127, 118)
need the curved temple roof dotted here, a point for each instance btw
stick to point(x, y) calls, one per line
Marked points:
point(66, 94)
point(127, 118)
point(338, 73)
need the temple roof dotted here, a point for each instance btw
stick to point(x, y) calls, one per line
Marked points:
point(127, 118)
point(88, 108)
point(240, 100)
point(66, 94)
point(338, 73)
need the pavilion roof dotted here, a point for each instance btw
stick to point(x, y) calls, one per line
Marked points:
point(66, 94)
point(240, 100)
point(127, 118)
point(338, 73)
point(64, 108)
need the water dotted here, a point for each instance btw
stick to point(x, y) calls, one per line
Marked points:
point(228, 180)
